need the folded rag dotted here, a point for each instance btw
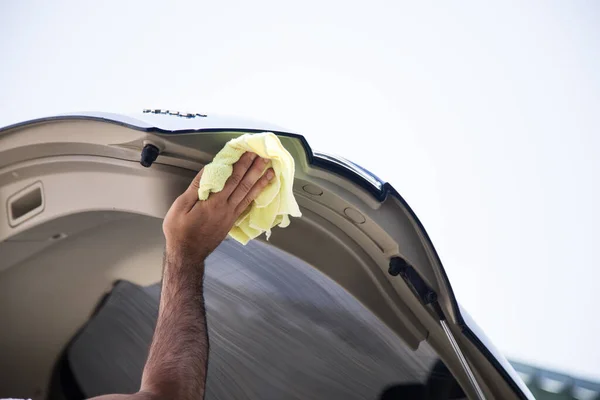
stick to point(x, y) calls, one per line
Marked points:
point(276, 201)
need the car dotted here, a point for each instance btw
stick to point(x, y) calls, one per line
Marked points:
point(349, 301)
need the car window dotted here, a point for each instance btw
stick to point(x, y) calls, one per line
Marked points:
point(302, 334)
point(278, 329)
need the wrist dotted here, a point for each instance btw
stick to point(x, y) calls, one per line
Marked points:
point(181, 253)
point(183, 264)
point(181, 270)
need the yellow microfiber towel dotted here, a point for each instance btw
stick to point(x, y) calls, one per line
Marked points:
point(275, 203)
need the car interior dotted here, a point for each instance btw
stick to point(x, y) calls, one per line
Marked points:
point(312, 313)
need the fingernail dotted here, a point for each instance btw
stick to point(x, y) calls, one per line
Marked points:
point(270, 174)
point(265, 161)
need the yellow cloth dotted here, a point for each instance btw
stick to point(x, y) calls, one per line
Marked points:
point(276, 201)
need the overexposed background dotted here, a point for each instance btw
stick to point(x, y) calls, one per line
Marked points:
point(485, 117)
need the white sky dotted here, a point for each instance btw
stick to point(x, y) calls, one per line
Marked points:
point(486, 118)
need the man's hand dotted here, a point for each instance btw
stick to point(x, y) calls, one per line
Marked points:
point(178, 359)
point(195, 227)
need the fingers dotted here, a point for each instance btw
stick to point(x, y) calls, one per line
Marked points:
point(190, 196)
point(253, 174)
point(195, 184)
point(254, 192)
point(239, 171)
point(242, 187)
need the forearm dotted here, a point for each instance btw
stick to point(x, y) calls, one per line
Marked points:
point(178, 358)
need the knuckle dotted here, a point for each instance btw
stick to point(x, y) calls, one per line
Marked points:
point(258, 165)
point(245, 186)
point(243, 205)
point(248, 199)
point(235, 179)
point(247, 159)
point(251, 196)
point(176, 204)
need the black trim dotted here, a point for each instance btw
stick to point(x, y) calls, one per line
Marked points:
point(389, 189)
point(380, 195)
point(495, 363)
point(399, 266)
point(386, 190)
point(149, 154)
